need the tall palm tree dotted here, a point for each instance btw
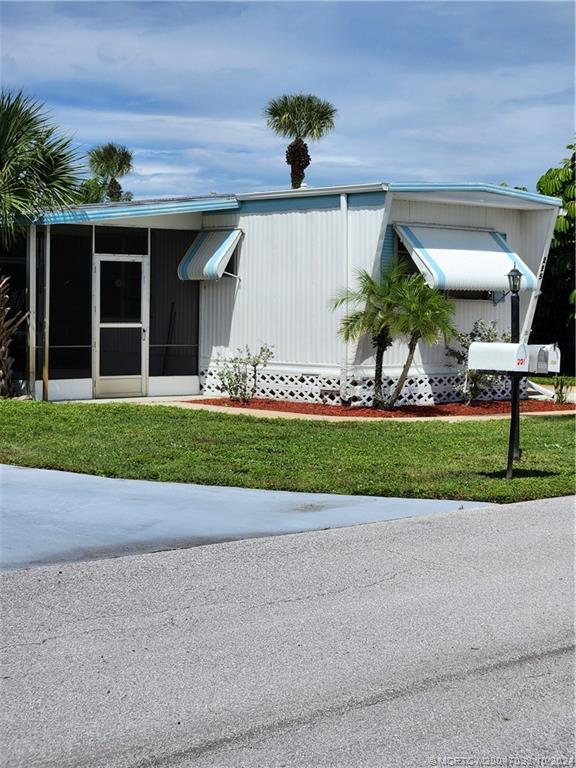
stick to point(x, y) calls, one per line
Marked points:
point(420, 313)
point(372, 313)
point(109, 162)
point(38, 166)
point(299, 116)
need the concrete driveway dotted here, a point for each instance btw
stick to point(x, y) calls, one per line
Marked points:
point(428, 641)
point(50, 516)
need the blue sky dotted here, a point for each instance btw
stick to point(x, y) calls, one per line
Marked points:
point(449, 91)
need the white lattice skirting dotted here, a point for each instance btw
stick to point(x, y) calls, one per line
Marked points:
point(313, 388)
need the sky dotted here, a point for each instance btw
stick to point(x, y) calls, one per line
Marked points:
point(425, 91)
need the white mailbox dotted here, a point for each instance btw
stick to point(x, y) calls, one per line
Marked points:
point(543, 358)
point(498, 356)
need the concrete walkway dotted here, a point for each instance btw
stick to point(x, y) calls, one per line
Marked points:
point(52, 516)
point(196, 402)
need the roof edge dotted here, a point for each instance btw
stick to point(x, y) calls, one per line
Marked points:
point(314, 191)
point(134, 209)
point(401, 186)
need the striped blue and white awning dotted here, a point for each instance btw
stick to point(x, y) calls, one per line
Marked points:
point(463, 259)
point(209, 254)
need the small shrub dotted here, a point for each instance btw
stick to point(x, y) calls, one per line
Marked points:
point(239, 374)
point(475, 382)
point(560, 390)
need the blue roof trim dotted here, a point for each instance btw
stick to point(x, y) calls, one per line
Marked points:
point(278, 205)
point(364, 199)
point(88, 215)
point(401, 186)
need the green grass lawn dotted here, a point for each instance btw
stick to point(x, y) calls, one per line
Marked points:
point(570, 380)
point(463, 460)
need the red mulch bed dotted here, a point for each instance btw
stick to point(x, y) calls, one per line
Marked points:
point(406, 411)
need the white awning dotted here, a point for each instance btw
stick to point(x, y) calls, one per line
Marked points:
point(463, 259)
point(209, 254)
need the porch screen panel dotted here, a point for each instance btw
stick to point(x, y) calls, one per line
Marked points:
point(120, 292)
point(13, 266)
point(120, 352)
point(174, 307)
point(70, 355)
point(127, 241)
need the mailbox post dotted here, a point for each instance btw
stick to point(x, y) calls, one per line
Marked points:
point(515, 359)
point(514, 278)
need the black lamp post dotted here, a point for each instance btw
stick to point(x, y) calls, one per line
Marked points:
point(514, 278)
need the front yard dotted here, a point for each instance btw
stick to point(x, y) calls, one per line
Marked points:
point(438, 460)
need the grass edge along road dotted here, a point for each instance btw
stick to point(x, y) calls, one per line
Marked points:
point(464, 460)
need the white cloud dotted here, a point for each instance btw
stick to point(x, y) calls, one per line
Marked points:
point(188, 98)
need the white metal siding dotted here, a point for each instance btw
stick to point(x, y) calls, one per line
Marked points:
point(363, 232)
point(534, 236)
point(290, 265)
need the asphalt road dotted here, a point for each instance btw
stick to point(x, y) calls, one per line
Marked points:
point(438, 640)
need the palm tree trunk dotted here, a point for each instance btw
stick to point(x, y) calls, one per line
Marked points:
point(404, 375)
point(381, 345)
point(298, 159)
point(114, 190)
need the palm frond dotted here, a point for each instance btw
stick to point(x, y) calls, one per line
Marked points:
point(300, 116)
point(110, 161)
point(39, 168)
point(421, 311)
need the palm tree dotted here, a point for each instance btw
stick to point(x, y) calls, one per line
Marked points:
point(109, 162)
point(299, 116)
point(373, 313)
point(420, 313)
point(38, 166)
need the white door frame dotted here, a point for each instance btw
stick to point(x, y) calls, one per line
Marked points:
point(120, 386)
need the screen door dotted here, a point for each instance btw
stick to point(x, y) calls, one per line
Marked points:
point(120, 325)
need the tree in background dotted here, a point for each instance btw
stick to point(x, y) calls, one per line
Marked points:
point(38, 166)
point(554, 320)
point(299, 117)
point(108, 162)
point(371, 314)
point(93, 190)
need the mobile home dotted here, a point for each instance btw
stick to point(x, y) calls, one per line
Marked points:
point(142, 298)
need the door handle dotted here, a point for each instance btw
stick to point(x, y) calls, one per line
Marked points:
point(143, 334)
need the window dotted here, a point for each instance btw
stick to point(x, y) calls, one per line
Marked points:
point(403, 256)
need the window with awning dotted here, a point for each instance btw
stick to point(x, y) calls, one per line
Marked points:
point(209, 255)
point(452, 259)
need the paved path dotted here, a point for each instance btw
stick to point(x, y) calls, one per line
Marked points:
point(197, 403)
point(391, 645)
point(50, 516)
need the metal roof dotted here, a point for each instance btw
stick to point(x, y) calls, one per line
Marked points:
point(459, 192)
point(84, 214)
